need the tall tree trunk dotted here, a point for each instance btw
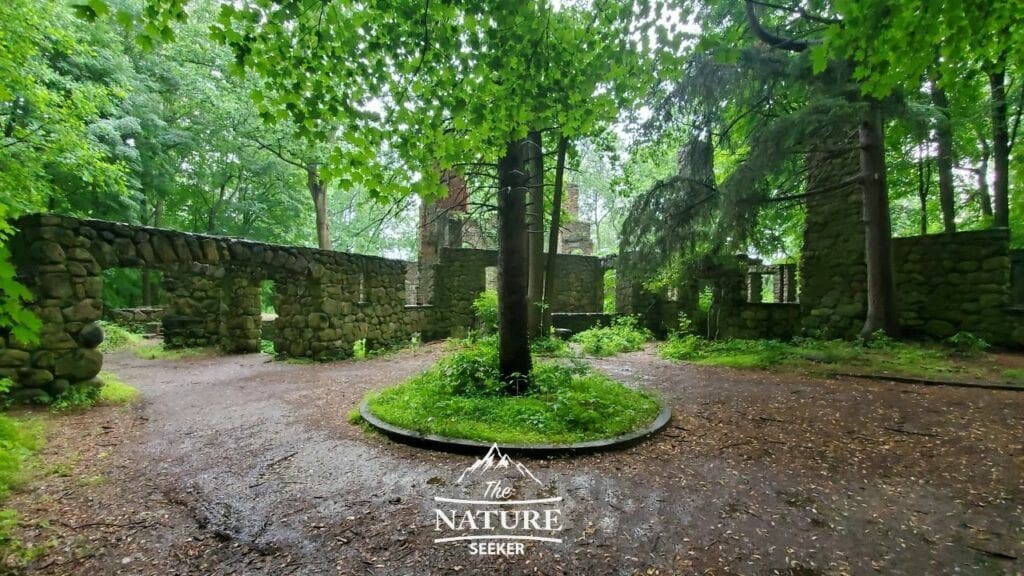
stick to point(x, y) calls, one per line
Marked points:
point(556, 222)
point(535, 221)
point(1000, 148)
point(881, 290)
point(514, 362)
point(214, 210)
point(318, 190)
point(944, 138)
point(984, 197)
point(149, 286)
point(924, 179)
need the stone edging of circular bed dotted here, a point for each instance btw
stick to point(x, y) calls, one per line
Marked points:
point(446, 444)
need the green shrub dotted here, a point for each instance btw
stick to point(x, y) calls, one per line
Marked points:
point(117, 337)
point(462, 397)
point(18, 441)
point(624, 335)
point(549, 346)
point(77, 396)
point(735, 353)
point(267, 346)
point(486, 308)
point(359, 349)
point(967, 345)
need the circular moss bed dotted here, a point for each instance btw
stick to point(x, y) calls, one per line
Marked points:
point(460, 399)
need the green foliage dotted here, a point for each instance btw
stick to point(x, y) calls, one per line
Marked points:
point(550, 346)
point(359, 349)
point(877, 355)
point(112, 391)
point(267, 347)
point(18, 440)
point(608, 304)
point(1014, 376)
point(76, 397)
point(461, 398)
point(116, 337)
point(624, 335)
point(967, 345)
point(486, 308)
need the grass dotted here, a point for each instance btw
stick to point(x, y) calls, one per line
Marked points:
point(160, 352)
point(19, 439)
point(1014, 376)
point(624, 335)
point(962, 359)
point(115, 391)
point(118, 337)
point(461, 398)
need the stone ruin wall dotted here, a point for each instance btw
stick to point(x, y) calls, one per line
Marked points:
point(949, 283)
point(325, 301)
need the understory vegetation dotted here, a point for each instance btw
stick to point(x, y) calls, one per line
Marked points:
point(623, 335)
point(463, 397)
point(116, 337)
point(19, 439)
point(161, 352)
point(962, 357)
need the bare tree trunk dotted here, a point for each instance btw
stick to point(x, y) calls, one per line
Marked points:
point(535, 220)
point(944, 139)
point(984, 196)
point(1000, 148)
point(556, 222)
point(514, 362)
point(149, 286)
point(318, 190)
point(924, 180)
point(881, 290)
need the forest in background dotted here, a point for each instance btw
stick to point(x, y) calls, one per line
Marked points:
point(129, 111)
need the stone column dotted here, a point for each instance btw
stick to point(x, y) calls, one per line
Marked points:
point(755, 283)
point(240, 313)
point(53, 262)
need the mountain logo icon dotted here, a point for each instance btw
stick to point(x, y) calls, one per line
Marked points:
point(495, 460)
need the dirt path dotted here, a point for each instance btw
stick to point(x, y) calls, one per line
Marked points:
point(239, 465)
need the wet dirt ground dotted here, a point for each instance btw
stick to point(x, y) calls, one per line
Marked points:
point(242, 465)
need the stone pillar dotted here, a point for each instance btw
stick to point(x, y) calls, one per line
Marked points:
point(240, 313)
point(54, 262)
point(755, 285)
point(833, 296)
point(784, 283)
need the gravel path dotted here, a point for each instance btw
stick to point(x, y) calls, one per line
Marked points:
point(241, 465)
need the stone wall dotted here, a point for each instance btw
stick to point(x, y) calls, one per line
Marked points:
point(460, 276)
point(1017, 278)
point(325, 300)
point(147, 319)
point(949, 283)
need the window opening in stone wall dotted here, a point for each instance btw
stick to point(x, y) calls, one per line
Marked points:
point(491, 278)
point(609, 291)
point(132, 299)
point(268, 315)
